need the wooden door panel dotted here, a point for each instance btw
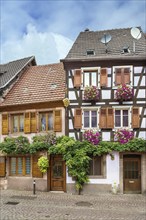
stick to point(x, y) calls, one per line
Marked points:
point(58, 173)
point(132, 175)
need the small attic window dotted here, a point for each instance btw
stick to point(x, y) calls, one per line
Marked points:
point(90, 52)
point(125, 50)
point(53, 86)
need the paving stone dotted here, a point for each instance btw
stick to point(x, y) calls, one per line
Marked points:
point(63, 206)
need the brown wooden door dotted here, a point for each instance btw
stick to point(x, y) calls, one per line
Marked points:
point(132, 174)
point(58, 173)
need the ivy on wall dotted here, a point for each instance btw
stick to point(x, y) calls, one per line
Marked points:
point(76, 154)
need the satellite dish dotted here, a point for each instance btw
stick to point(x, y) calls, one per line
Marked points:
point(136, 33)
point(106, 38)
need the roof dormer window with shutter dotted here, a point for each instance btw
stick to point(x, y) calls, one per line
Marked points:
point(122, 75)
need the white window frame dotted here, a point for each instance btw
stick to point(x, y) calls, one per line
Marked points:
point(90, 109)
point(131, 75)
point(129, 108)
point(86, 69)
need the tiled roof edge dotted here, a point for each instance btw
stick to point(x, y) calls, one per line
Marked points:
point(31, 58)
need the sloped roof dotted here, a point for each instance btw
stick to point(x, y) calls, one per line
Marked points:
point(91, 40)
point(10, 70)
point(38, 84)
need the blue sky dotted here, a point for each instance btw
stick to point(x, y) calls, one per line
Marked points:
point(48, 28)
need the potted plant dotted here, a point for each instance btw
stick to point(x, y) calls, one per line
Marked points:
point(124, 135)
point(124, 93)
point(92, 135)
point(91, 93)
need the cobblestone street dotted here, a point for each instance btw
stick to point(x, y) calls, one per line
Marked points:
point(23, 205)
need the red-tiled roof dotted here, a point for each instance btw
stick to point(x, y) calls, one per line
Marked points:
point(38, 84)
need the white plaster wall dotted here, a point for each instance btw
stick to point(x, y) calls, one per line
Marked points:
point(70, 124)
point(106, 94)
point(141, 93)
point(70, 83)
point(106, 136)
point(142, 134)
point(72, 95)
point(112, 172)
point(143, 124)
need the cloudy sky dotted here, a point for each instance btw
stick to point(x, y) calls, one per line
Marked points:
point(48, 28)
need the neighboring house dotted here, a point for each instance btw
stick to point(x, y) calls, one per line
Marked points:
point(90, 62)
point(10, 72)
point(33, 106)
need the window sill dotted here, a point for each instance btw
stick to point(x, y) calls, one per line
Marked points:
point(97, 177)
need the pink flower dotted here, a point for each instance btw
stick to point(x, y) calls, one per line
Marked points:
point(124, 135)
point(124, 92)
point(92, 136)
point(91, 93)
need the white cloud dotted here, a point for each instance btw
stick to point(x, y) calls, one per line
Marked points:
point(46, 47)
point(47, 28)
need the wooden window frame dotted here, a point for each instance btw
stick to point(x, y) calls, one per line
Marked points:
point(103, 168)
point(90, 116)
point(23, 166)
point(46, 116)
point(122, 67)
point(121, 122)
point(90, 70)
point(12, 122)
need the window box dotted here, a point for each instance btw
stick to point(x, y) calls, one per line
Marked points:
point(92, 136)
point(123, 135)
point(91, 93)
point(124, 93)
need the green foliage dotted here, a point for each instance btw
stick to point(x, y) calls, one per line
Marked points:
point(43, 164)
point(19, 145)
point(78, 154)
point(42, 142)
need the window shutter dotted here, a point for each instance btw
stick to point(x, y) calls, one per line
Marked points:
point(135, 118)
point(78, 118)
point(2, 166)
point(33, 122)
point(57, 120)
point(27, 122)
point(77, 78)
point(35, 169)
point(103, 77)
point(118, 76)
point(126, 76)
point(102, 121)
point(5, 124)
point(110, 118)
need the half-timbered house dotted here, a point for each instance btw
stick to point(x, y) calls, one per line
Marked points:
point(106, 59)
point(33, 106)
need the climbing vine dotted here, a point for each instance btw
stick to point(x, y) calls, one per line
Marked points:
point(76, 154)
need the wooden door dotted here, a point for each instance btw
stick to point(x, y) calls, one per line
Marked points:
point(132, 174)
point(58, 173)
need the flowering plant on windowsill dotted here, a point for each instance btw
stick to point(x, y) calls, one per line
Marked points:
point(123, 135)
point(91, 93)
point(124, 92)
point(92, 136)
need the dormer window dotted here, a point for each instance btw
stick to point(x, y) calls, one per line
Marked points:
point(90, 52)
point(125, 50)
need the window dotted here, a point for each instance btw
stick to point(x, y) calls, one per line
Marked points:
point(46, 121)
point(121, 118)
point(90, 118)
point(18, 123)
point(95, 166)
point(122, 75)
point(20, 166)
point(90, 78)
point(90, 52)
